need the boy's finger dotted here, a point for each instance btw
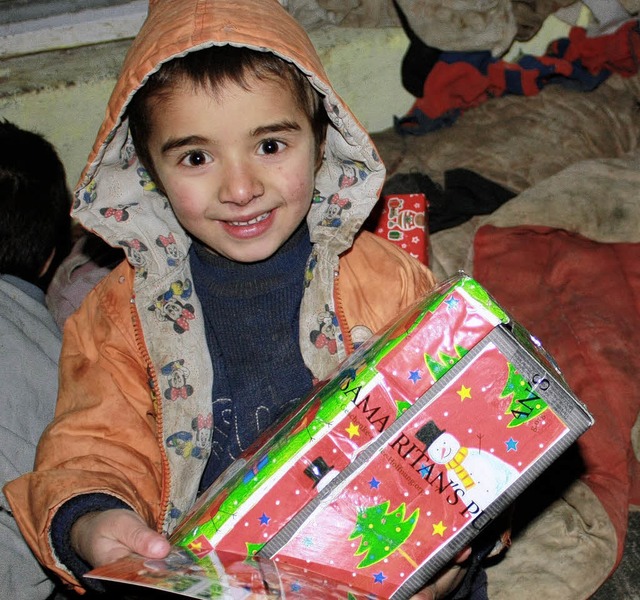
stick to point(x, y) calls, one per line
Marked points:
point(137, 536)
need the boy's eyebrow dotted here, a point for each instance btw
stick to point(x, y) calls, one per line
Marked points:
point(276, 128)
point(176, 143)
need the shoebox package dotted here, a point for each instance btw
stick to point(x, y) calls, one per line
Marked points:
point(403, 220)
point(389, 469)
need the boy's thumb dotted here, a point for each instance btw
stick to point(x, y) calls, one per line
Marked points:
point(155, 545)
point(147, 542)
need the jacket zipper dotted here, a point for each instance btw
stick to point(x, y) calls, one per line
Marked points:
point(342, 319)
point(157, 405)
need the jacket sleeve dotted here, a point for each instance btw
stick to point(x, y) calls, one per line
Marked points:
point(378, 280)
point(103, 437)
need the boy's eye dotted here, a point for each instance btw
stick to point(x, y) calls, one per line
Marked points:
point(271, 147)
point(195, 159)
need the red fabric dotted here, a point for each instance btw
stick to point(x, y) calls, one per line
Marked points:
point(617, 51)
point(464, 80)
point(582, 300)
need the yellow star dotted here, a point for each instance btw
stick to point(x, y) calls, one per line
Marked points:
point(353, 430)
point(195, 546)
point(439, 529)
point(464, 392)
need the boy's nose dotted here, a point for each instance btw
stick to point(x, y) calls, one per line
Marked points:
point(240, 185)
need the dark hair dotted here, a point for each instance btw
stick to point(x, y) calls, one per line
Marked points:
point(34, 205)
point(212, 68)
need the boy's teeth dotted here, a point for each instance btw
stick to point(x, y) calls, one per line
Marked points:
point(252, 221)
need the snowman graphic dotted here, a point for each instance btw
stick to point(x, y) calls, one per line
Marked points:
point(320, 473)
point(481, 475)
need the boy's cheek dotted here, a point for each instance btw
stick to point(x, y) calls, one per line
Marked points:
point(185, 201)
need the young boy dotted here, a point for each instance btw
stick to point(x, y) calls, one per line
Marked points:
point(35, 233)
point(236, 181)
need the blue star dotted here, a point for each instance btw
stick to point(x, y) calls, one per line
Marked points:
point(374, 483)
point(379, 577)
point(264, 519)
point(451, 302)
point(296, 587)
point(415, 376)
point(307, 541)
point(511, 445)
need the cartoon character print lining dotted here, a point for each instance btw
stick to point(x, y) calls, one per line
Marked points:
point(127, 154)
point(176, 374)
point(145, 180)
point(88, 195)
point(352, 172)
point(203, 427)
point(173, 306)
point(174, 514)
point(193, 443)
point(135, 250)
point(328, 332)
point(333, 215)
point(119, 213)
point(311, 265)
point(168, 243)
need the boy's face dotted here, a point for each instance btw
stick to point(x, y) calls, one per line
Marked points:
point(238, 167)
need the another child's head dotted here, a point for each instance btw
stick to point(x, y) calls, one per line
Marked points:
point(35, 201)
point(233, 137)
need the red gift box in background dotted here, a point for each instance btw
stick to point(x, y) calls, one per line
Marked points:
point(403, 220)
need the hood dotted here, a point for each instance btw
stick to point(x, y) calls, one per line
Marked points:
point(115, 197)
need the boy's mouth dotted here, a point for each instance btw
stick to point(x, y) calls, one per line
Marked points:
point(253, 221)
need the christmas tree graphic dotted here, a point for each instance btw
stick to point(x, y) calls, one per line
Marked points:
point(438, 367)
point(525, 403)
point(383, 532)
point(253, 549)
point(401, 406)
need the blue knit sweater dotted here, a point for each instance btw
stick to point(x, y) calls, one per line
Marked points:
point(252, 320)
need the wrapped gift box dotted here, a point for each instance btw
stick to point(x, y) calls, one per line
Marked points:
point(403, 220)
point(390, 468)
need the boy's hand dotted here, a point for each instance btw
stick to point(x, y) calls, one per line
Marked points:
point(447, 581)
point(103, 537)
